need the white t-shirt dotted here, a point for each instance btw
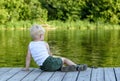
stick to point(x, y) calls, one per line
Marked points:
point(38, 51)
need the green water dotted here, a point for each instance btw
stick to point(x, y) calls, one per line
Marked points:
point(93, 47)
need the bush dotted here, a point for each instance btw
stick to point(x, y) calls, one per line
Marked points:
point(17, 10)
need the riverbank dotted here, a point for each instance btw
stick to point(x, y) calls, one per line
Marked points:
point(59, 24)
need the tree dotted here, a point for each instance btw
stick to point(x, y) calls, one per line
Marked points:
point(92, 10)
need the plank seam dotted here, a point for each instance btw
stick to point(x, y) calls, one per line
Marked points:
point(104, 74)
point(77, 76)
point(51, 76)
point(27, 74)
point(91, 74)
point(38, 75)
point(6, 71)
point(64, 76)
point(115, 74)
point(13, 75)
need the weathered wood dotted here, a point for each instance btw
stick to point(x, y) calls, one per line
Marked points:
point(3, 70)
point(57, 76)
point(19, 76)
point(117, 72)
point(70, 76)
point(45, 76)
point(109, 74)
point(9, 74)
point(97, 74)
point(84, 75)
point(32, 76)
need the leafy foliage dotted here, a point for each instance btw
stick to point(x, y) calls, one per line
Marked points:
point(64, 10)
point(93, 10)
point(16, 10)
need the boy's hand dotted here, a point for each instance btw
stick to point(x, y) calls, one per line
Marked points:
point(25, 69)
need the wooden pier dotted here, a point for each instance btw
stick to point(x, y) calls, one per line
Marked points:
point(91, 74)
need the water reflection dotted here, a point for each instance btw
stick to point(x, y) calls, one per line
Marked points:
point(93, 47)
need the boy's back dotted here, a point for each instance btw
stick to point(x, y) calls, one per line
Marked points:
point(38, 51)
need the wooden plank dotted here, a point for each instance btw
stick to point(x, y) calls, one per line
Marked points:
point(9, 74)
point(100, 74)
point(109, 74)
point(117, 72)
point(33, 75)
point(45, 76)
point(4, 70)
point(20, 75)
point(70, 76)
point(97, 74)
point(58, 76)
point(84, 75)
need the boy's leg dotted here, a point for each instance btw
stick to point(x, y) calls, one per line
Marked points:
point(72, 66)
point(68, 62)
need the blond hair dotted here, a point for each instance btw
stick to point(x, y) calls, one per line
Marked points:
point(36, 30)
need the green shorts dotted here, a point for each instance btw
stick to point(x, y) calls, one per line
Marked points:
point(52, 64)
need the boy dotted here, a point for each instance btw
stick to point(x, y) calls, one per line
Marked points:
point(41, 54)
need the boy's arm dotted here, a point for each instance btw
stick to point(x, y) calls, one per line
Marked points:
point(28, 59)
point(48, 49)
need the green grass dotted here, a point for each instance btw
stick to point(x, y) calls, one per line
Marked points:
point(83, 25)
point(60, 24)
point(15, 25)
